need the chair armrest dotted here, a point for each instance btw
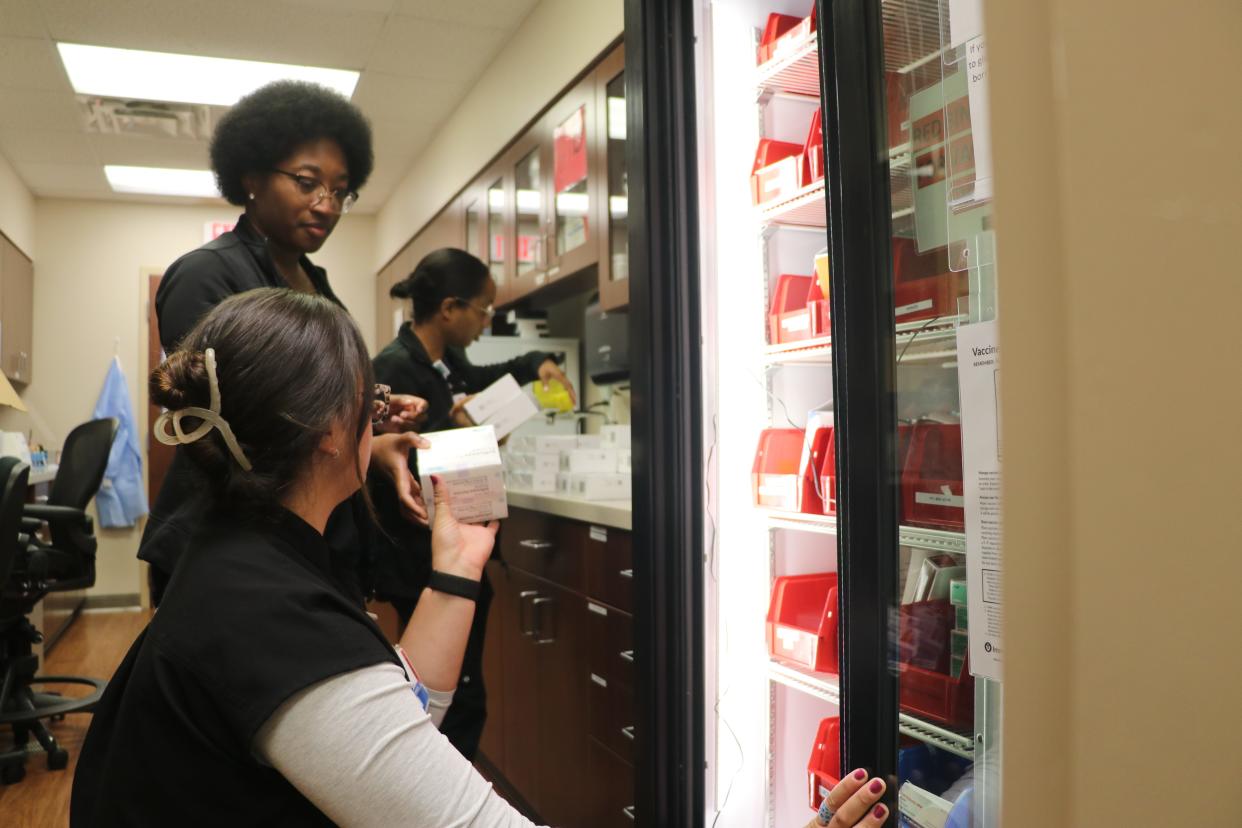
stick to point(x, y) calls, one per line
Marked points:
point(53, 514)
point(31, 524)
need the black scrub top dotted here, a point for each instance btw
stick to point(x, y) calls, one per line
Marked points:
point(403, 557)
point(235, 262)
point(255, 612)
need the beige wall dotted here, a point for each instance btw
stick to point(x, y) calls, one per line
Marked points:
point(1118, 220)
point(558, 40)
point(89, 292)
point(16, 209)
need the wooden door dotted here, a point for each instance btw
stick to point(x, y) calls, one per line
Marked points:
point(560, 625)
point(159, 456)
point(522, 703)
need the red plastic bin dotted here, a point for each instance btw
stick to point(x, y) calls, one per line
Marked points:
point(775, 473)
point(932, 494)
point(823, 771)
point(777, 171)
point(929, 297)
point(802, 621)
point(798, 310)
point(819, 478)
point(813, 151)
point(926, 687)
point(784, 33)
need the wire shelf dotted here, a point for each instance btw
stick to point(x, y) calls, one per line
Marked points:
point(796, 72)
point(800, 522)
point(823, 686)
point(816, 351)
point(807, 208)
point(955, 743)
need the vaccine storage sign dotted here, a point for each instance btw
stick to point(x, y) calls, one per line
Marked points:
point(978, 366)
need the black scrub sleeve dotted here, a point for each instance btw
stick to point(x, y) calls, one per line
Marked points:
point(192, 286)
point(525, 369)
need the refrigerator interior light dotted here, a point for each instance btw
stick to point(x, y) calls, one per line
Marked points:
point(162, 181)
point(164, 76)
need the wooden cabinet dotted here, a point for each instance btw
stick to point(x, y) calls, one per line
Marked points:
point(447, 229)
point(16, 313)
point(610, 135)
point(561, 695)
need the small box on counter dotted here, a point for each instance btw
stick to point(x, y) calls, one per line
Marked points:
point(523, 461)
point(615, 436)
point(532, 481)
point(543, 443)
point(589, 441)
point(589, 461)
point(625, 461)
point(467, 461)
point(594, 486)
point(501, 405)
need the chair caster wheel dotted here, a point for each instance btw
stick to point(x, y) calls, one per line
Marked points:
point(58, 759)
point(12, 774)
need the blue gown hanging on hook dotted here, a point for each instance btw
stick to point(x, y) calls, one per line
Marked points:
point(122, 498)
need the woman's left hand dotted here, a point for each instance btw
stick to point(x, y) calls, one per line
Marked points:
point(459, 549)
point(549, 371)
point(390, 453)
point(405, 412)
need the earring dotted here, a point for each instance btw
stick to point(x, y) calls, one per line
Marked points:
point(252, 196)
point(336, 452)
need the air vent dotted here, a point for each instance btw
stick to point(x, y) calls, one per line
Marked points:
point(153, 119)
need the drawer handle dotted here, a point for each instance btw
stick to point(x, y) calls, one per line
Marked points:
point(626, 573)
point(527, 630)
point(597, 609)
point(535, 544)
point(628, 810)
point(627, 655)
point(628, 732)
point(540, 636)
point(600, 680)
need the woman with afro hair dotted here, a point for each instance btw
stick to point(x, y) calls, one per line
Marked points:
point(293, 155)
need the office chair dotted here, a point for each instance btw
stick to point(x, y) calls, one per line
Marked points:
point(36, 568)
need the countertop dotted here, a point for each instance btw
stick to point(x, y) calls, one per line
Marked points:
point(616, 514)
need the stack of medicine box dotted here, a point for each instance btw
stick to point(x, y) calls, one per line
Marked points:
point(589, 467)
point(960, 637)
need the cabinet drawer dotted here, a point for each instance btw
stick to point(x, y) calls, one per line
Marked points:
point(610, 636)
point(610, 566)
point(612, 716)
point(545, 546)
point(612, 789)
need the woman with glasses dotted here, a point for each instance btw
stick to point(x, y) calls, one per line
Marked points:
point(452, 294)
point(293, 155)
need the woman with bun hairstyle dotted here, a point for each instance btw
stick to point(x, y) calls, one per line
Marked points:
point(452, 294)
point(261, 692)
point(294, 155)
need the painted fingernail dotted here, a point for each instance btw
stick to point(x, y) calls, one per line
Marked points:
point(876, 786)
point(879, 811)
point(860, 774)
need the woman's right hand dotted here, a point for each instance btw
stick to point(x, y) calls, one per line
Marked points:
point(851, 801)
point(459, 549)
point(459, 416)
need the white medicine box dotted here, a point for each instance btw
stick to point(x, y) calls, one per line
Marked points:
point(467, 461)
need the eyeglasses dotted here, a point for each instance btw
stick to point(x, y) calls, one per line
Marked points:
point(486, 311)
point(379, 404)
point(342, 199)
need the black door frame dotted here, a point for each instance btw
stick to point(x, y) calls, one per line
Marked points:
point(665, 357)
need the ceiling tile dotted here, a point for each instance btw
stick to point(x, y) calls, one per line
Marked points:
point(32, 63)
point(27, 145)
point(22, 18)
point(433, 50)
point(39, 110)
point(63, 179)
point(500, 14)
point(277, 32)
point(142, 151)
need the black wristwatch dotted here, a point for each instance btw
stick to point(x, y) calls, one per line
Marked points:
point(454, 585)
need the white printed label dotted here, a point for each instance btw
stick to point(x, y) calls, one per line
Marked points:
point(789, 638)
point(801, 322)
point(913, 307)
point(940, 499)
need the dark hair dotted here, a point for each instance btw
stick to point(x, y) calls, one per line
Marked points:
point(290, 366)
point(447, 273)
point(264, 127)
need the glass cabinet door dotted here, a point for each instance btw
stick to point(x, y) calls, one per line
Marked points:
point(614, 265)
point(497, 244)
point(572, 133)
point(476, 244)
point(528, 176)
point(947, 608)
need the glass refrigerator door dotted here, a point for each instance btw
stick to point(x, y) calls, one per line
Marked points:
point(946, 645)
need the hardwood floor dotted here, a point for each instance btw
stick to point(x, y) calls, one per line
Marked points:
point(92, 646)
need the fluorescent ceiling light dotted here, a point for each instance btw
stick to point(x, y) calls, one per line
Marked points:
point(162, 181)
point(616, 119)
point(160, 76)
